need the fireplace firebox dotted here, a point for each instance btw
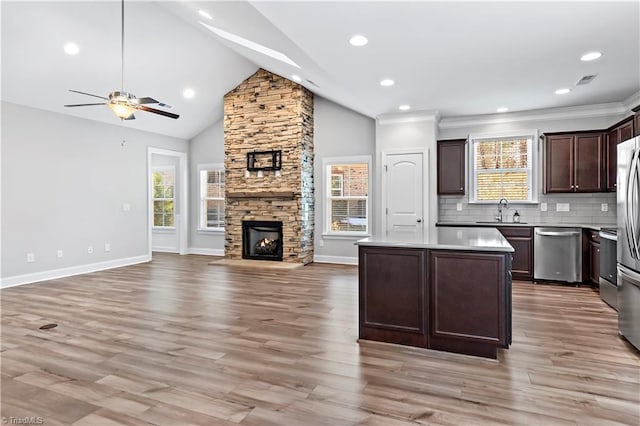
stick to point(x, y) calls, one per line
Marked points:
point(261, 240)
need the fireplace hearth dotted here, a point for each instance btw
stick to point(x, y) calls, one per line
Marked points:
point(262, 240)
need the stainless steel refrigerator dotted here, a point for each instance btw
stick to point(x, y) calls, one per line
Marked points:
point(628, 249)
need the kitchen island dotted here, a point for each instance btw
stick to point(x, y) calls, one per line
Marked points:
point(450, 291)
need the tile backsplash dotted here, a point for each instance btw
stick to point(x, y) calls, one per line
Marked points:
point(583, 209)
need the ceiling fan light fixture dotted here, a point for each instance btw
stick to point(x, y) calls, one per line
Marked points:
point(123, 111)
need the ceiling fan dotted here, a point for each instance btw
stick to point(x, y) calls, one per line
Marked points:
point(122, 103)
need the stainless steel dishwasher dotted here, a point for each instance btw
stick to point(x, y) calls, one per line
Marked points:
point(557, 254)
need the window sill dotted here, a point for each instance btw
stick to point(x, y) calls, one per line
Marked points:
point(511, 203)
point(210, 230)
point(164, 229)
point(344, 236)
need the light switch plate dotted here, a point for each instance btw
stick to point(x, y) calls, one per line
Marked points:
point(126, 207)
point(543, 207)
point(60, 254)
point(459, 207)
point(604, 207)
point(563, 207)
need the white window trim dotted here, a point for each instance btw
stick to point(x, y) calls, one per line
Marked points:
point(200, 168)
point(153, 199)
point(532, 152)
point(326, 193)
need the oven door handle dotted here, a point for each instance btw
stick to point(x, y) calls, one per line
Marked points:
point(608, 236)
point(629, 275)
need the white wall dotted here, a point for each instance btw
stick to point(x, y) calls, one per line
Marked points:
point(338, 132)
point(65, 181)
point(206, 148)
point(409, 131)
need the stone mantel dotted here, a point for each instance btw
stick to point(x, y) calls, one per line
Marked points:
point(289, 195)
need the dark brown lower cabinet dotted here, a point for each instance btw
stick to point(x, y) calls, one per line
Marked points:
point(393, 300)
point(455, 301)
point(469, 302)
point(521, 239)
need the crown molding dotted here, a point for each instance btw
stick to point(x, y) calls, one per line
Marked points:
point(632, 101)
point(585, 111)
point(412, 117)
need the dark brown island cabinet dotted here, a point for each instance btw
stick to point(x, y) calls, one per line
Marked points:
point(573, 162)
point(450, 293)
point(451, 166)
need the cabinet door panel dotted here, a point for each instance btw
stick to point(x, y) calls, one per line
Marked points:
point(559, 164)
point(451, 167)
point(467, 300)
point(594, 257)
point(612, 159)
point(522, 263)
point(588, 163)
point(392, 295)
point(625, 131)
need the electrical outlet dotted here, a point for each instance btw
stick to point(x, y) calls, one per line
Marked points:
point(107, 247)
point(90, 249)
point(60, 254)
point(126, 207)
point(459, 207)
point(543, 207)
point(321, 242)
point(563, 207)
point(31, 257)
point(604, 207)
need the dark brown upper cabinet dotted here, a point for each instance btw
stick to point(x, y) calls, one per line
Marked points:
point(636, 121)
point(619, 133)
point(451, 167)
point(573, 162)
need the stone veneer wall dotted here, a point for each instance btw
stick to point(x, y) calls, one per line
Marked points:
point(268, 112)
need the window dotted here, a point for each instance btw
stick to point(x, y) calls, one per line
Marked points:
point(211, 197)
point(502, 167)
point(347, 196)
point(163, 196)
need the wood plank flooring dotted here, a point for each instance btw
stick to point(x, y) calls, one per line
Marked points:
point(177, 341)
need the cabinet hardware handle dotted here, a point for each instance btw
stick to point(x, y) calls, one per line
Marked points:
point(576, 186)
point(461, 189)
point(419, 220)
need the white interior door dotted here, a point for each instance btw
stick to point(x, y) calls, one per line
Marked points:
point(403, 188)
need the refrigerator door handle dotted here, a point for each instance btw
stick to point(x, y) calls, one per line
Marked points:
point(629, 275)
point(629, 222)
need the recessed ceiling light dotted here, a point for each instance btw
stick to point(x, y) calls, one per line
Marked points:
point(204, 14)
point(188, 93)
point(71, 49)
point(358, 40)
point(404, 107)
point(296, 78)
point(590, 56)
point(387, 82)
point(256, 47)
point(502, 109)
point(562, 91)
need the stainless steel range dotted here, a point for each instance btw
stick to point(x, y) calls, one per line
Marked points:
point(608, 273)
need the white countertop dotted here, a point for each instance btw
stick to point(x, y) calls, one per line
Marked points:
point(528, 224)
point(447, 238)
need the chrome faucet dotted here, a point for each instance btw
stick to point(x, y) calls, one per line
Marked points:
point(506, 206)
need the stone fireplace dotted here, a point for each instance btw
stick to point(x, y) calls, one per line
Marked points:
point(268, 114)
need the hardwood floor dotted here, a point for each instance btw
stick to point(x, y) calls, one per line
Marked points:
point(177, 341)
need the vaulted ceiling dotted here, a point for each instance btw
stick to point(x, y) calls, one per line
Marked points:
point(456, 58)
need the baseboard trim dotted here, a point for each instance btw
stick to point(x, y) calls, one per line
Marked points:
point(205, 251)
point(70, 271)
point(343, 260)
point(165, 249)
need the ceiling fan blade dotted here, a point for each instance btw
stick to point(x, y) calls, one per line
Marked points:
point(77, 105)
point(157, 111)
point(89, 94)
point(145, 100)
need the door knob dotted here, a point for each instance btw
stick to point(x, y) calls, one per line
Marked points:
point(419, 220)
